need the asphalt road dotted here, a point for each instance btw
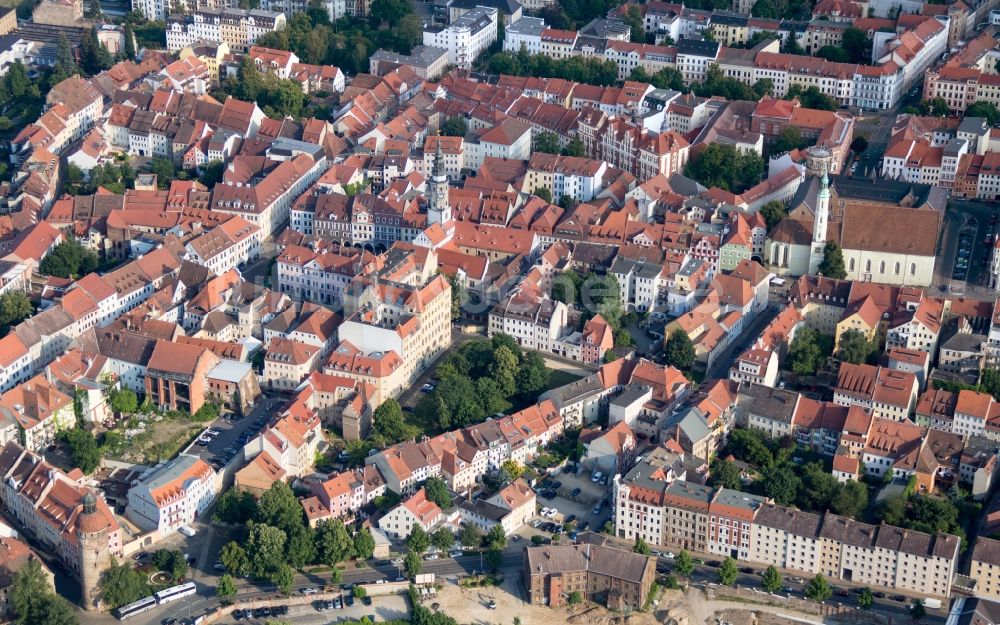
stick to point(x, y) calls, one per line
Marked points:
point(720, 368)
point(204, 600)
point(796, 588)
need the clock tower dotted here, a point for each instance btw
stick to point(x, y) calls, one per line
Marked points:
point(439, 210)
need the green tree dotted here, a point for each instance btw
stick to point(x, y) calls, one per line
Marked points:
point(417, 541)
point(547, 142)
point(225, 589)
point(333, 542)
point(936, 107)
point(283, 576)
point(855, 347)
point(496, 539)
point(267, 544)
point(391, 11)
point(989, 382)
point(865, 598)
point(773, 212)
point(32, 600)
point(14, 308)
point(454, 126)
point(235, 506)
point(300, 547)
point(633, 17)
point(892, 510)
point(684, 564)
point(532, 375)
point(129, 42)
point(721, 165)
point(442, 538)
point(68, 259)
point(511, 469)
point(164, 169)
point(121, 585)
point(678, 351)
point(235, 559)
point(819, 589)
point(83, 449)
point(279, 507)
point(124, 401)
point(573, 148)
point(789, 139)
point(364, 544)
point(857, 45)
point(805, 354)
point(437, 491)
point(832, 265)
point(360, 592)
point(336, 576)
point(765, 8)
point(387, 422)
point(917, 610)
point(65, 65)
point(641, 547)
point(833, 54)
point(504, 369)
point(412, 564)
point(728, 572)
point(470, 536)
point(771, 580)
point(859, 145)
point(575, 597)
point(987, 110)
point(724, 473)
point(781, 484)
point(543, 193)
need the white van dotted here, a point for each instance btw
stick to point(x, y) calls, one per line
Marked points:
point(187, 531)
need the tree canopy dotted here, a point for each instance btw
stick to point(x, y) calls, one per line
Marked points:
point(68, 259)
point(832, 265)
point(721, 165)
point(32, 600)
point(678, 351)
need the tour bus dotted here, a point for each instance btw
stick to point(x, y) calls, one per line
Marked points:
point(136, 607)
point(175, 592)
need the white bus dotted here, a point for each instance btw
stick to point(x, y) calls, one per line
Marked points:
point(136, 607)
point(175, 592)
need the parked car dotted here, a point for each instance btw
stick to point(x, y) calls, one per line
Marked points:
point(596, 477)
point(308, 591)
point(576, 492)
point(431, 556)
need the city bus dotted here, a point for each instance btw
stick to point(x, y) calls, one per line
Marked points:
point(136, 607)
point(175, 592)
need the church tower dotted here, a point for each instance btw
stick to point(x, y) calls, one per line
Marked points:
point(819, 161)
point(95, 556)
point(439, 210)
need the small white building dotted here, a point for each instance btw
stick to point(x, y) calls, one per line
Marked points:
point(417, 510)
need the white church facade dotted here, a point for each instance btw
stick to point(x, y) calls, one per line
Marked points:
point(888, 230)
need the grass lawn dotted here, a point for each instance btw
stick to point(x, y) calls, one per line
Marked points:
point(559, 378)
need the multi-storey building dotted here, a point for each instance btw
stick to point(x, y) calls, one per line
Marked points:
point(238, 28)
point(466, 37)
point(172, 494)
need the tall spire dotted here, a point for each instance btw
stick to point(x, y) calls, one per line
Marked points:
point(438, 170)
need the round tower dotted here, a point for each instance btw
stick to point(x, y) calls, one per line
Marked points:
point(95, 556)
point(818, 160)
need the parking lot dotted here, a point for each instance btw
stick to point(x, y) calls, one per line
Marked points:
point(574, 496)
point(233, 434)
point(383, 608)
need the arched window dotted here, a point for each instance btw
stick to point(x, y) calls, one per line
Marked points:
point(868, 266)
point(881, 267)
point(852, 264)
point(898, 268)
point(913, 269)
